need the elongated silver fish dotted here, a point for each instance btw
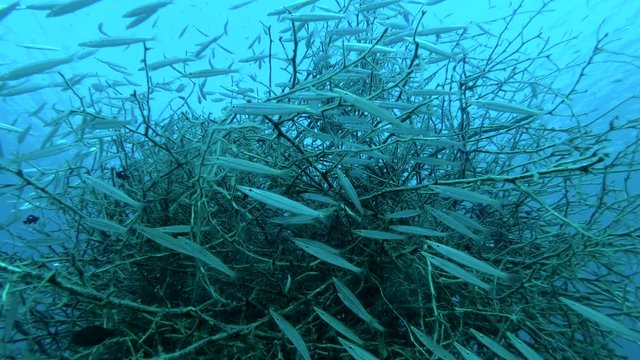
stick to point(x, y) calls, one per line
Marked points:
point(326, 253)
point(352, 302)
point(33, 68)
point(114, 42)
point(70, 7)
point(279, 201)
point(291, 332)
point(187, 247)
point(338, 325)
point(468, 260)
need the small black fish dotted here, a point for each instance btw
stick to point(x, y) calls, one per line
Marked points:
point(92, 335)
point(31, 219)
point(122, 175)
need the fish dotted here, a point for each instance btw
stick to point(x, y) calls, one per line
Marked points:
point(205, 73)
point(39, 47)
point(271, 108)
point(240, 4)
point(378, 235)
point(243, 165)
point(326, 253)
point(146, 10)
point(402, 214)
point(157, 65)
point(280, 202)
point(291, 7)
point(367, 106)
point(338, 325)
point(466, 195)
point(8, 9)
point(92, 335)
point(114, 42)
point(311, 17)
point(356, 351)
point(376, 5)
point(359, 47)
point(291, 332)
point(70, 7)
point(506, 108)
point(466, 353)
point(105, 225)
point(434, 48)
point(524, 349)
point(34, 68)
point(494, 346)
point(433, 346)
point(347, 187)
point(187, 247)
point(107, 189)
point(458, 272)
point(417, 230)
point(352, 302)
point(605, 321)
point(468, 260)
point(453, 223)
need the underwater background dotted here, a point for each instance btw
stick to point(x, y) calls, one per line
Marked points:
point(328, 225)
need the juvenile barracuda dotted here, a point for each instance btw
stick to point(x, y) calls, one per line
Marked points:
point(433, 48)
point(468, 260)
point(356, 351)
point(457, 271)
point(291, 7)
point(338, 325)
point(506, 108)
point(11, 128)
point(434, 347)
point(34, 68)
point(466, 353)
point(456, 225)
point(291, 332)
point(147, 9)
point(46, 152)
point(186, 247)
point(243, 165)
point(603, 320)
point(417, 230)
point(39, 47)
point(346, 185)
point(110, 190)
point(311, 17)
point(378, 235)
point(319, 198)
point(358, 47)
point(70, 7)
point(352, 302)
point(367, 106)
point(326, 253)
point(402, 214)
point(157, 65)
point(205, 73)
point(466, 195)
point(114, 42)
point(279, 202)
point(105, 225)
point(271, 108)
point(524, 349)
point(494, 346)
point(377, 5)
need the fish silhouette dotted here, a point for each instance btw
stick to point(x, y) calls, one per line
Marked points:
point(92, 335)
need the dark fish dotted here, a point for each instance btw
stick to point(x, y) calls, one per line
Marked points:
point(92, 335)
point(122, 175)
point(31, 219)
